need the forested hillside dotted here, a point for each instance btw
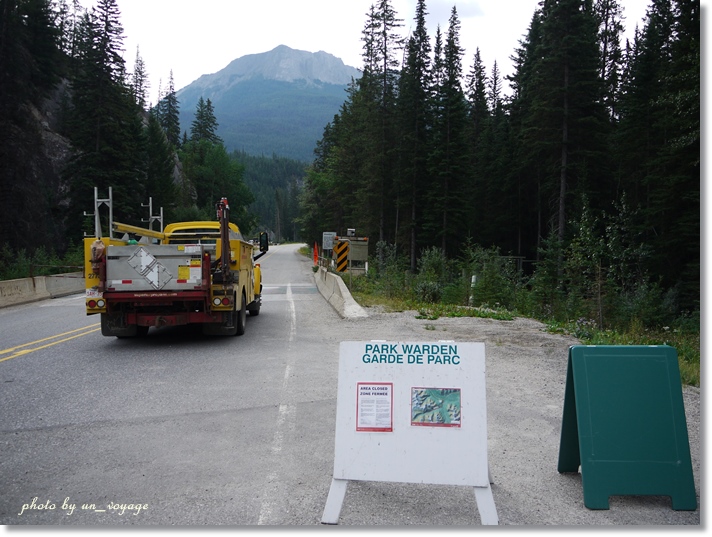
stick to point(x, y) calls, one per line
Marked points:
point(588, 173)
point(72, 119)
point(275, 183)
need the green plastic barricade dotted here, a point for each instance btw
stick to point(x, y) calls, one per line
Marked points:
point(624, 424)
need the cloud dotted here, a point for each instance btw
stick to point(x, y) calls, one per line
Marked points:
point(439, 10)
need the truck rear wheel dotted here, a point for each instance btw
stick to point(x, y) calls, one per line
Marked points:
point(254, 307)
point(241, 320)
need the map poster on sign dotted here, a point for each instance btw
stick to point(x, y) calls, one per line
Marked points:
point(435, 407)
point(374, 408)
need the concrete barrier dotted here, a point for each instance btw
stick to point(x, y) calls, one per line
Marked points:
point(334, 290)
point(24, 290)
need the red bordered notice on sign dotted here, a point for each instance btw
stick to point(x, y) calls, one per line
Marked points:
point(374, 407)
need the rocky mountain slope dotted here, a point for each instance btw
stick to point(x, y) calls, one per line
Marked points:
point(276, 102)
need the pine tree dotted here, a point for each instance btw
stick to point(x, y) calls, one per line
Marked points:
point(559, 119)
point(480, 149)
point(205, 125)
point(105, 122)
point(160, 165)
point(415, 121)
point(139, 81)
point(610, 28)
point(169, 114)
point(450, 156)
point(378, 84)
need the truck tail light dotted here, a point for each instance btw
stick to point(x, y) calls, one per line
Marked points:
point(226, 301)
point(96, 303)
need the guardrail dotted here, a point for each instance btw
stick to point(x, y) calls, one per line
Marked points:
point(25, 290)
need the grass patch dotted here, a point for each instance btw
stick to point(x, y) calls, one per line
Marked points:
point(686, 342)
point(434, 311)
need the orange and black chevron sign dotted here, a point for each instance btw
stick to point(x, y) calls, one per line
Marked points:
point(341, 250)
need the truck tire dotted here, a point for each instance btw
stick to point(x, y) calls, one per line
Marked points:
point(254, 307)
point(241, 320)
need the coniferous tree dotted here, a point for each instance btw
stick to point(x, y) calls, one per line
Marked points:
point(139, 82)
point(480, 150)
point(609, 16)
point(379, 87)
point(205, 124)
point(160, 165)
point(526, 169)
point(105, 122)
point(497, 172)
point(415, 121)
point(449, 158)
point(67, 15)
point(169, 114)
point(558, 117)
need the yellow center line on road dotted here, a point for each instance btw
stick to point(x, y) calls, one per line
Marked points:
point(19, 350)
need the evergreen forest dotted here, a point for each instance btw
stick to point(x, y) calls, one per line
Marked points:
point(580, 186)
point(72, 120)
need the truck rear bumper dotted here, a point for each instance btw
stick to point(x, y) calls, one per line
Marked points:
point(174, 319)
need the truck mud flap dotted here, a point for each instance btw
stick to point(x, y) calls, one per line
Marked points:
point(114, 324)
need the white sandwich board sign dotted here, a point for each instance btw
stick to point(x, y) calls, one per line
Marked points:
point(411, 413)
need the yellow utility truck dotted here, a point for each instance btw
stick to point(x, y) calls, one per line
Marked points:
point(190, 273)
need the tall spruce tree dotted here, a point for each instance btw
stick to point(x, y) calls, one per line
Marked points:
point(160, 165)
point(415, 122)
point(139, 81)
point(105, 122)
point(559, 116)
point(448, 160)
point(380, 84)
point(169, 114)
point(480, 150)
point(526, 168)
point(609, 15)
point(205, 125)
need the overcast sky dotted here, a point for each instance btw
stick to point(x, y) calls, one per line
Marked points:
point(193, 38)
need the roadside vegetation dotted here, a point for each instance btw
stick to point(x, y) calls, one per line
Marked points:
point(15, 264)
point(482, 283)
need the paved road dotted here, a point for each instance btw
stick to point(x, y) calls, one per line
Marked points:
point(180, 429)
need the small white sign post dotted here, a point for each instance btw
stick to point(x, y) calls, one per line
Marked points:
point(411, 413)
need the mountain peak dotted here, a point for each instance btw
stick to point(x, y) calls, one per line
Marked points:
point(283, 64)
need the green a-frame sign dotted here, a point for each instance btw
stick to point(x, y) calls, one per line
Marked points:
point(624, 424)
